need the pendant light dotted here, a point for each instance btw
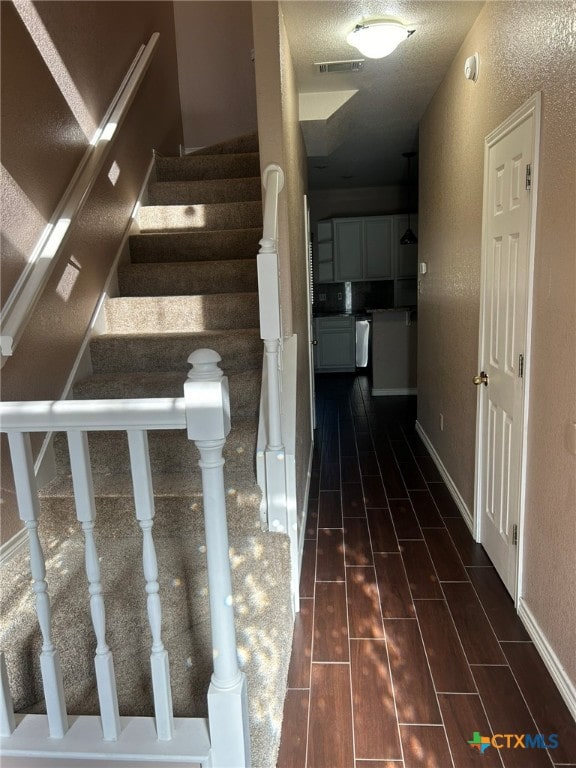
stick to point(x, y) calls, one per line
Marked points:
point(408, 238)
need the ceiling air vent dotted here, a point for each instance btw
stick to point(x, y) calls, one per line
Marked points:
point(325, 67)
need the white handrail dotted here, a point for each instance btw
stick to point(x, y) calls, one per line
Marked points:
point(21, 302)
point(87, 415)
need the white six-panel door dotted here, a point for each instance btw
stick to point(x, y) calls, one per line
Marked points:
point(505, 304)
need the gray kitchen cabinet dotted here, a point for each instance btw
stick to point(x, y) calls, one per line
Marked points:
point(367, 248)
point(324, 252)
point(335, 348)
point(378, 262)
point(363, 248)
point(348, 249)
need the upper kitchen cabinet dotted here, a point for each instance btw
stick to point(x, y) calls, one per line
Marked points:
point(363, 248)
point(348, 249)
point(325, 252)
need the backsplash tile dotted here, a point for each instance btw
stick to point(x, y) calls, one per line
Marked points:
point(331, 297)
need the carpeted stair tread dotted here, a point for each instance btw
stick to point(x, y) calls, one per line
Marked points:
point(244, 388)
point(181, 314)
point(239, 349)
point(204, 191)
point(188, 278)
point(177, 501)
point(240, 144)
point(202, 245)
point(217, 166)
point(170, 451)
point(185, 218)
point(261, 597)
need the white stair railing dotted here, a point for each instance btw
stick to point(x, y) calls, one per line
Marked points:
point(18, 308)
point(204, 411)
point(272, 475)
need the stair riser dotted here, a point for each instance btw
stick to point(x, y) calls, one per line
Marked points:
point(183, 218)
point(195, 246)
point(238, 145)
point(188, 278)
point(196, 167)
point(188, 314)
point(117, 354)
point(204, 192)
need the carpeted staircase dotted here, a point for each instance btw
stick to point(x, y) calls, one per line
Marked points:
point(190, 283)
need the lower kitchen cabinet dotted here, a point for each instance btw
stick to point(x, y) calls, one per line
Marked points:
point(335, 348)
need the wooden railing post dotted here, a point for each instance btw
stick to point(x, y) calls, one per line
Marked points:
point(208, 418)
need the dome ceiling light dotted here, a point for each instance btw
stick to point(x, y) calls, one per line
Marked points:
point(378, 38)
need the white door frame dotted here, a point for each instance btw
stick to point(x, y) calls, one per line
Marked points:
point(310, 319)
point(530, 107)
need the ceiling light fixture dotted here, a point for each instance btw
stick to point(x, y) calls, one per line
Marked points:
point(378, 38)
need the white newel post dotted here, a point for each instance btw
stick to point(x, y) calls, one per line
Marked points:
point(29, 510)
point(271, 335)
point(208, 418)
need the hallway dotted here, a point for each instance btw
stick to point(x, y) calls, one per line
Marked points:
point(407, 643)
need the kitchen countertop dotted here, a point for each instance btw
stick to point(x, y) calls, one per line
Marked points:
point(362, 312)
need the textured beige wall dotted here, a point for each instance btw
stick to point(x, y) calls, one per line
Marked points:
point(281, 142)
point(524, 47)
point(90, 45)
point(216, 73)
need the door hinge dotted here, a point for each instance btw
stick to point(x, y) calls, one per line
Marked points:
point(521, 366)
point(515, 534)
point(528, 176)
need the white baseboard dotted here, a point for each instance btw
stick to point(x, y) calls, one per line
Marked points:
point(454, 492)
point(565, 686)
point(394, 392)
point(303, 517)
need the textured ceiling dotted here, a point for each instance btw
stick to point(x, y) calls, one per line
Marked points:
point(363, 146)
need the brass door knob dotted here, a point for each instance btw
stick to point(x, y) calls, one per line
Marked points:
point(482, 378)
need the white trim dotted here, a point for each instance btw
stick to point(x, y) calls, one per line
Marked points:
point(13, 546)
point(289, 410)
point(532, 107)
point(565, 686)
point(20, 304)
point(394, 391)
point(454, 492)
point(302, 532)
point(190, 744)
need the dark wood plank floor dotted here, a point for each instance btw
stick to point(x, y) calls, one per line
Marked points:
point(407, 642)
